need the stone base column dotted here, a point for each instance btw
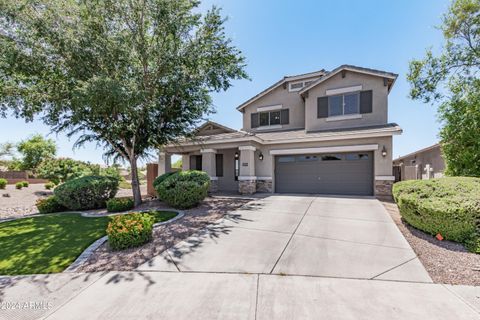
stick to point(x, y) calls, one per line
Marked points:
point(383, 187)
point(213, 185)
point(264, 184)
point(247, 185)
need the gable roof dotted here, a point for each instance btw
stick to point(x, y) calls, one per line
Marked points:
point(215, 125)
point(411, 154)
point(347, 67)
point(285, 79)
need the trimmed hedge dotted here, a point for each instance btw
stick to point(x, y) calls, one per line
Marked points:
point(449, 206)
point(3, 183)
point(129, 230)
point(184, 189)
point(85, 193)
point(49, 205)
point(162, 178)
point(120, 204)
point(25, 184)
point(19, 185)
point(49, 185)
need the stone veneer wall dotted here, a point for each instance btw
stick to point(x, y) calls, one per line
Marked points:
point(213, 186)
point(383, 188)
point(264, 186)
point(247, 186)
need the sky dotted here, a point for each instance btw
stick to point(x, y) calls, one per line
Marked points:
point(281, 38)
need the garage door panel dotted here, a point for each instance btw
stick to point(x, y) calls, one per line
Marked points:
point(351, 175)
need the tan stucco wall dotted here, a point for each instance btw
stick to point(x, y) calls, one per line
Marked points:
point(379, 113)
point(432, 157)
point(290, 100)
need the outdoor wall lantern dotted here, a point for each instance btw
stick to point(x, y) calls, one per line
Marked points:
point(236, 155)
point(384, 152)
point(260, 156)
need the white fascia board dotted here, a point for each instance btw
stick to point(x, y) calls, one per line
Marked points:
point(270, 108)
point(208, 151)
point(331, 92)
point(355, 148)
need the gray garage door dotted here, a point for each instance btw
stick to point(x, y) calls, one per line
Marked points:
point(338, 173)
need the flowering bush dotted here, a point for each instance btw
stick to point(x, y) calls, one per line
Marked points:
point(129, 230)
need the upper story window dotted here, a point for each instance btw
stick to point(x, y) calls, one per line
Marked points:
point(344, 104)
point(347, 104)
point(270, 118)
point(299, 85)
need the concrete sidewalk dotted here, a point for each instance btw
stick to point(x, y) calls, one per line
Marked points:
point(186, 295)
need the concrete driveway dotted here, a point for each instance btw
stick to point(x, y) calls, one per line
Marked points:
point(300, 235)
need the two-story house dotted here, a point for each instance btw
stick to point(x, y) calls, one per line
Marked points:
point(321, 132)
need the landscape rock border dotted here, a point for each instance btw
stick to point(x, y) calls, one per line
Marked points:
point(85, 255)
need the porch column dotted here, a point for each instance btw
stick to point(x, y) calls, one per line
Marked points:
point(185, 162)
point(247, 181)
point(164, 162)
point(209, 166)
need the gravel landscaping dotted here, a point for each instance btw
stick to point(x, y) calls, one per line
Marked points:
point(446, 261)
point(165, 236)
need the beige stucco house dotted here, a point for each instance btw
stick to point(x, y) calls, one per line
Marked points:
point(320, 132)
point(426, 163)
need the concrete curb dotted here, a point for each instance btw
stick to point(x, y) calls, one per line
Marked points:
point(94, 246)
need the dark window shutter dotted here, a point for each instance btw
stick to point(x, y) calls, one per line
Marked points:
point(322, 107)
point(284, 116)
point(219, 165)
point(199, 162)
point(254, 120)
point(366, 101)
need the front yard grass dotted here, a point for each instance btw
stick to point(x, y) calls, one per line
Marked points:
point(50, 243)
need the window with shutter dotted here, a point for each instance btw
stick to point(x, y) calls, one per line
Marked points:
point(322, 107)
point(254, 120)
point(366, 99)
point(219, 164)
point(285, 116)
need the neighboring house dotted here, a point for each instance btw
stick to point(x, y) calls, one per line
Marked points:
point(320, 132)
point(426, 163)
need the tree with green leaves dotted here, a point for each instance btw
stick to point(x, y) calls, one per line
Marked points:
point(130, 75)
point(451, 79)
point(34, 150)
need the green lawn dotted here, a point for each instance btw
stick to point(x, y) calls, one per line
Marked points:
point(50, 243)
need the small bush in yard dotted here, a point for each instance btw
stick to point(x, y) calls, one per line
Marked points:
point(185, 189)
point(3, 183)
point(449, 206)
point(49, 205)
point(19, 185)
point(129, 230)
point(25, 184)
point(85, 193)
point(120, 204)
point(49, 185)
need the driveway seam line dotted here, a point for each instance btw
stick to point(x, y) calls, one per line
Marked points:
point(351, 241)
point(256, 298)
point(256, 229)
point(354, 219)
point(461, 299)
point(291, 237)
point(401, 264)
point(79, 292)
point(173, 261)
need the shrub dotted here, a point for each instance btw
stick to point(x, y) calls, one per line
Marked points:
point(25, 184)
point(19, 185)
point(129, 230)
point(184, 189)
point(89, 192)
point(49, 185)
point(3, 183)
point(49, 205)
point(162, 178)
point(63, 169)
point(449, 206)
point(120, 204)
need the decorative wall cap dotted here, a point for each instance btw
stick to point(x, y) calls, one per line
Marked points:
point(385, 178)
point(213, 178)
point(251, 148)
point(246, 178)
point(264, 178)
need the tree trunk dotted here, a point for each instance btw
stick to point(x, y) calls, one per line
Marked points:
point(137, 196)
